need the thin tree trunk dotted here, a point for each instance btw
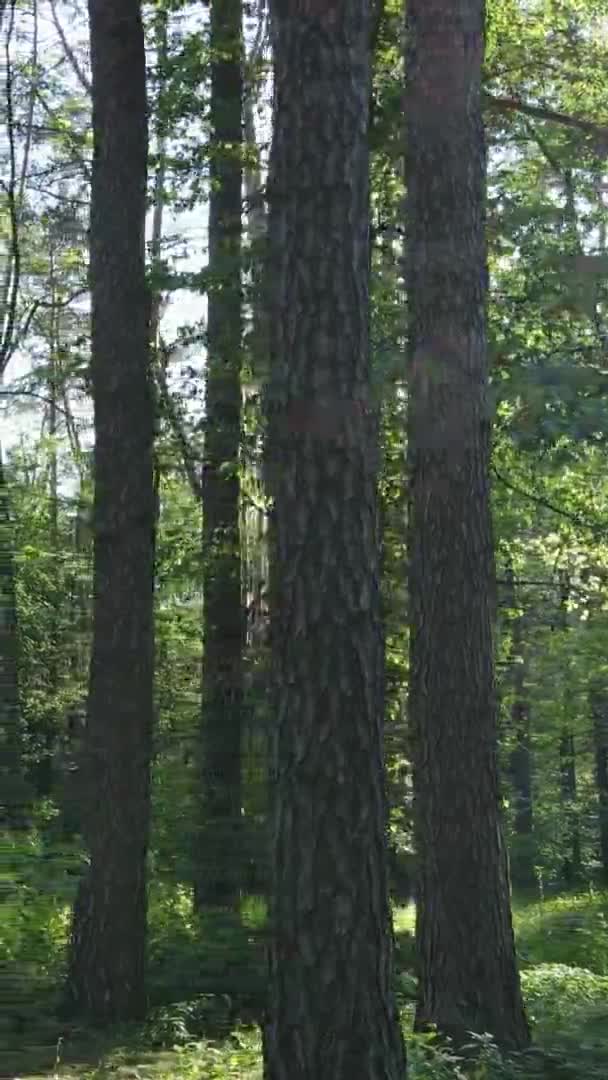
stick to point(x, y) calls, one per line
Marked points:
point(254, 514)
point(522, 855)
point(219, 869)
point(14, 792)
point(598, 699)
point(106, 975)
point(468, 978)
point(522, 867)
point(43, 771)
point(571, 866)
point(332, 1012)
point(73, 788)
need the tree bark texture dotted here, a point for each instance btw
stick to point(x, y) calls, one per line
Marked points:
point(106, 976)
point(468, 978)
point(332, 1014)
point(220, 862)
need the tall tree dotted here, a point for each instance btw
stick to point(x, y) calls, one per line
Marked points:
point(218, 879)
point(106, 976)
point(332, 1012)
point(468, 979)
point(16, 792)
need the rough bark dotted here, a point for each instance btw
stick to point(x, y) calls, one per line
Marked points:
point(468, 978)
point(106, 975)
point(332, 1015)
point(219, 864)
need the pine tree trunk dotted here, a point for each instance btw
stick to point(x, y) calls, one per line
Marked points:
point(106, 975)
point(468, 978)
point(219, 868)
point(332, 1012)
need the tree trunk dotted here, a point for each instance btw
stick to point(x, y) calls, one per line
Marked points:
point(599, 713)
point(219, 870)
point(15, 791)
point(571, 866)
point(254, 515)
point(106, 976)
point(73, 790)
point(15, 794)
point(468, 978)
point(522, 859)
point(43, 773)
point(332, 1012)
point(523, 848)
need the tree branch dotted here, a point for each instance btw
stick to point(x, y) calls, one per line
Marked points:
point(32, 394)
point(69, 52)
point(538, 500)
point(539, 112)
point(191, 466)
point(10, 286)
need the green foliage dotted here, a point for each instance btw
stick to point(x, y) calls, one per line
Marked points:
point(35, 888)
point(217, 954)
point(566, 930)
point(195, 1025)
point(548, 333)
point(569, 1012)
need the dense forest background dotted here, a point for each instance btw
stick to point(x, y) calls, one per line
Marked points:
point(156, 628)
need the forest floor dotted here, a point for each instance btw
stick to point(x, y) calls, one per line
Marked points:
point(562, 944)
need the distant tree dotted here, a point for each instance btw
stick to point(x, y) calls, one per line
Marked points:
point(106, 972)
point(218, 863)
point(468, 978)
point(598, 702)
point(15, 792)
point(523, 873)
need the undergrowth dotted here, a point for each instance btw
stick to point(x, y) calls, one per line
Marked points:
point(207, 985)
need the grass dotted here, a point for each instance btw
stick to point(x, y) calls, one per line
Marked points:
point(200, 1026)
